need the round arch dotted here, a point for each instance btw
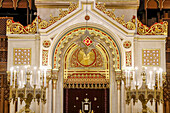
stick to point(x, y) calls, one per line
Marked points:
point(104, 36)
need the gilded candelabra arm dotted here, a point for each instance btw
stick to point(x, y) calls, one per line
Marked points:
point(34, 95)
point(161, 95)
point(155, 92)
point(146, 92)
point(137, 94)
point(10, 93)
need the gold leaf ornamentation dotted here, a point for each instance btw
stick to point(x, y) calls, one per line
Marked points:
point(18, 28)
point(155, 29)
point(62, 14)
point(129, 25)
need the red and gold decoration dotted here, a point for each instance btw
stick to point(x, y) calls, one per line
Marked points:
point(151, 57)
point(86, 80)
point(46, 43)
point(97, 32)
point(128, 58)
point(156, 29)
point(86, 71)
point(87, 41)
point(45, 57)
point(87, 17)
point(92, 59)
point(127, 44)
point(18, 28)
point(22, 56)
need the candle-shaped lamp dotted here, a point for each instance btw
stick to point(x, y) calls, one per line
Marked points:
point(154, 76)
point(136, 75)
point(18, 75)
point(150, 79)
point(158, 79)
point(14, 76)
point(25, 74)
point(22, 74)
point(161, 76)
point(146, 75)
point(35, 68)
point(11, 70)
point(38, 81)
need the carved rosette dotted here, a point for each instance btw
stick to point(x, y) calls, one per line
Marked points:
point(127, 44)
point(46, 43)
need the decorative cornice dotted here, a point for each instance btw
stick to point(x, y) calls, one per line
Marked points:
point(129, 25)
point(155, 29)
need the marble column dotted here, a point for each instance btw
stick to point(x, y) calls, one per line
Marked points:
point(118, 91)
point(54, 96)
point(118, 80)
point(123, 103)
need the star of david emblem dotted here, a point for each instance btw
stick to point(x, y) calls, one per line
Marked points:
point(87, 41)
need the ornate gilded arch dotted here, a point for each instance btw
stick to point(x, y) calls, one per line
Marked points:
point(102, 35)
point(86, 70)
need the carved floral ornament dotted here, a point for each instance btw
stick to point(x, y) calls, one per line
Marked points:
point(156, 29)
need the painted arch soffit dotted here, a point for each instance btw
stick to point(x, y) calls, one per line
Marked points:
point(75, 33)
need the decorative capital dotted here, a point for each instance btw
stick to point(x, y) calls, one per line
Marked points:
point(118, 74)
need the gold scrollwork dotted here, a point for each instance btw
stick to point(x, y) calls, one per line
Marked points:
point(156, 29)
point(129, 25)
point(18, 28)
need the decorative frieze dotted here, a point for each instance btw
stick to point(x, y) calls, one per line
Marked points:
point(22, 56)
point(151, 57)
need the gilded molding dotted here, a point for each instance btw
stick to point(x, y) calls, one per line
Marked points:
point(129, 25)
point(156, 29)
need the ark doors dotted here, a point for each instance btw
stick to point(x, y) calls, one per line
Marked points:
point(86, 100)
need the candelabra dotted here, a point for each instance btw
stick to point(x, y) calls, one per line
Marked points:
point(147, 91)
point(22, 86)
